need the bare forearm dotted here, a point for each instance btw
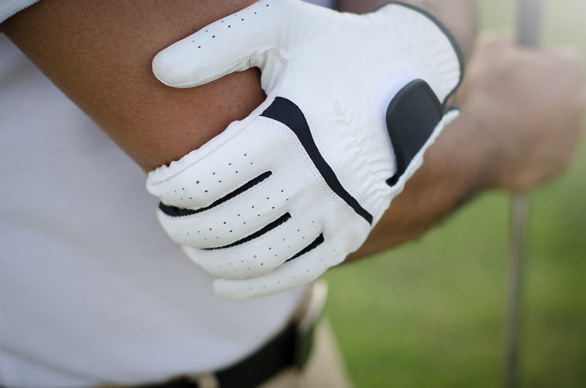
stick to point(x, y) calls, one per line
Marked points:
point(455, 169)
point(521, 120)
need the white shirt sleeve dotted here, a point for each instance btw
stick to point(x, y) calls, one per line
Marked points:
point(11, 7)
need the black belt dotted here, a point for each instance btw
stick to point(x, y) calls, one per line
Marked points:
point(290, 348)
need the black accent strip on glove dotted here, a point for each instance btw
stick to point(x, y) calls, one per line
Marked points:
point(289, 114)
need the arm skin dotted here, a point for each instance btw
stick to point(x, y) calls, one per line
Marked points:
point(99, 53)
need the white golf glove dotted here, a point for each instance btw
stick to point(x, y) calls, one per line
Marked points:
point(352, 104)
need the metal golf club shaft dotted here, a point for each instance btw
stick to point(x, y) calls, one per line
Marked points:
point(529, 22)
point(528, 34)
point(515, 277)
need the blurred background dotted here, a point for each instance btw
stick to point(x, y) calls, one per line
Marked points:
point(430, 313)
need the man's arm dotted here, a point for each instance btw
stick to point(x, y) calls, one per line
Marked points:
point(99, 53)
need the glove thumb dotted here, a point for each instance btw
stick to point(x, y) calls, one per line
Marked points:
point(257, 36)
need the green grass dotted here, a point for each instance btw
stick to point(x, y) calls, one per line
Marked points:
point(430, 313)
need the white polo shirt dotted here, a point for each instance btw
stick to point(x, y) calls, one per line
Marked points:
point(91, 288)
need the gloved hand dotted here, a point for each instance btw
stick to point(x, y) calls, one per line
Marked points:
point(352, 104)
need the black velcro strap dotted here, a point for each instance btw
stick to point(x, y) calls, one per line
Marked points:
point(412, 116)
